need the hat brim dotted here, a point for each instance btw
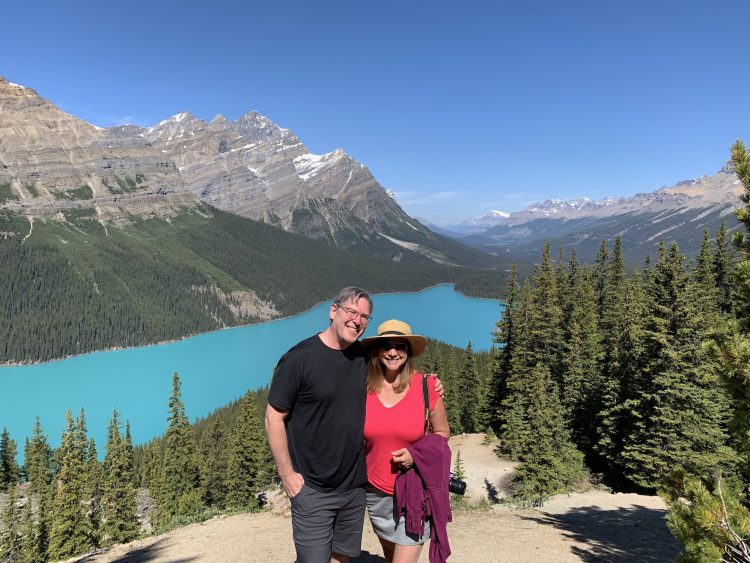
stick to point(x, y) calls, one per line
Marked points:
point(417, 343)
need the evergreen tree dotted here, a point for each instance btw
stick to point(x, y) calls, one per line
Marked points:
point(619, 420)
point(10, 537)
point(489, 436)
point(500, 357)
point(514, 408)
point(69, 532)
point(681, 424)
point(612, 327)
point(180, 475)
point(249, 464)
point(723, 270)
point(705, 512)
point(601, 275)
point(214, 465)
point(43, 524)
point(453, 390)
point(706, 515)
point(93, 492)
point(551, 463)
point(545, 317)
point(471, 392)
point(731, 353)
point(38, 459)
point(582, 353)
point(10, 475)
point(119, 520)
point(458, 467)
point(28, 553)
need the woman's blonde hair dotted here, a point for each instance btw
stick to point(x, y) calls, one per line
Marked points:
point(376, 373)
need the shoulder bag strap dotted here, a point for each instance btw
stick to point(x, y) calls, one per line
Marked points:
point(426, 398)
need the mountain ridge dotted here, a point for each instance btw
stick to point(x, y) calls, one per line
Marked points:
point(52, 161)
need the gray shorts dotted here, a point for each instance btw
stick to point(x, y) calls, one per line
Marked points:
point(380, 510)
point(327, 522)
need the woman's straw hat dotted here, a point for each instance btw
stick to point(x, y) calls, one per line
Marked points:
point(397, 329)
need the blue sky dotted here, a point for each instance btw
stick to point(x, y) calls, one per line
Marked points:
point(458, 107)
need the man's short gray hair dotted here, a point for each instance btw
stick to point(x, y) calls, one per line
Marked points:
point(353, 294)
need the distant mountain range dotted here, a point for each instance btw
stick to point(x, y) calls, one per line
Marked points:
point(51, 161)
point(678, 213)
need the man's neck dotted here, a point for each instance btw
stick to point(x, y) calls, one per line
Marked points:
point(330, 340)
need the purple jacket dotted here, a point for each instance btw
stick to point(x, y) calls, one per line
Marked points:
point(422, 492)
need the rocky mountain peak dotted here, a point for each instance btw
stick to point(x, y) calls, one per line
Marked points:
point(53, 162)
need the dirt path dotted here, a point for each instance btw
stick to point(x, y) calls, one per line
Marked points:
point(592, 526)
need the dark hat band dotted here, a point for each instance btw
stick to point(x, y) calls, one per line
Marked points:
point(394, 332)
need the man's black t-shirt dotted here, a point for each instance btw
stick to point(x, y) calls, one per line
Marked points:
point(324, 392)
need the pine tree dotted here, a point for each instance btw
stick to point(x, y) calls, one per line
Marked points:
point(619, 420)
point(601, 275)
point(180, 475)
point(43, 524)
point(514, 408)
point(119, 520)
point(214, 465)
point(723, 270)
point(500, 357)
point(449, 376)
point(681, 424)
point(10, 538)
point(458, 467)
point(582, 354)
point(10, 475)
point(28, 553)
point(69, 532)
point(471, 392)
point(545, 317)
point(731, 353)
point(249, 465)
point(551, 463)
point(714, 516)
point(706, 515)
point(38, 459)
point(93, 492)
point(611, 326)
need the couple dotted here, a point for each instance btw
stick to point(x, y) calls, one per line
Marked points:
point(341, 414)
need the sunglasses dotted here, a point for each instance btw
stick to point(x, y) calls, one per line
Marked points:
point(398, 346)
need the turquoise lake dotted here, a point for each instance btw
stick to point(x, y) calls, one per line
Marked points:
point(215, 368)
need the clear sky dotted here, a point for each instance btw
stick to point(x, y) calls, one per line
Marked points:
point(458, 107)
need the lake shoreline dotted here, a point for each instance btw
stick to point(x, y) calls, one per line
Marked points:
point(193, 335)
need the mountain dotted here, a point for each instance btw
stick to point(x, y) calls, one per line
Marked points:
point(51, 161)
point(117, 237)
point(678, 213)
point(469, 226)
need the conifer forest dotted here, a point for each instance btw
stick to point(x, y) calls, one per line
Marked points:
point(634, 377)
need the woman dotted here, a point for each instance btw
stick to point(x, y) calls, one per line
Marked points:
point(395, 419)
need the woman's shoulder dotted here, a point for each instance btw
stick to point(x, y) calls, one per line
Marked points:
point(416, 379)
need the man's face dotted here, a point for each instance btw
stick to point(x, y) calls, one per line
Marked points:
point(348, 322)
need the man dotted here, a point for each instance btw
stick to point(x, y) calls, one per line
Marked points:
point(314, 421)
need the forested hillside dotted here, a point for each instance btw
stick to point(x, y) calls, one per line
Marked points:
point(81, 285)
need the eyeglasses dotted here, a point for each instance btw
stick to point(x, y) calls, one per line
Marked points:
point(354, 314)
point(402, 347)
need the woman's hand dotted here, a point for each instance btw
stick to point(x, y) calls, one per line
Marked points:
point(439, 389)
point(402, 458)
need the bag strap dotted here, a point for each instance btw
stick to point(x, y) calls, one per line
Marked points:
point(426, 398)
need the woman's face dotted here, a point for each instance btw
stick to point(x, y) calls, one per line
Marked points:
point(393, 354)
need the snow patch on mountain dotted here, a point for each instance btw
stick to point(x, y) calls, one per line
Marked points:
point(309, 165)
